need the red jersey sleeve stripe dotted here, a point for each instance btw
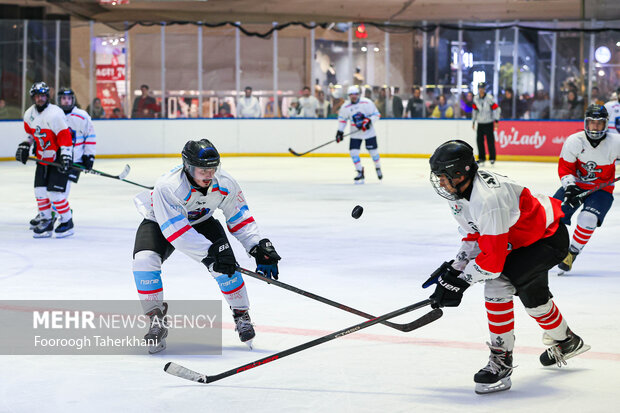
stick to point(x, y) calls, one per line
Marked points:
point(241, 225)
point(178, 233)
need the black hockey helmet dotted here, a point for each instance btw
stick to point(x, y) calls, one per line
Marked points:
point(40, 88)
point(66, 91)
point(452, 159)
point(482, 85)
point(200, 154)
point(595, 114)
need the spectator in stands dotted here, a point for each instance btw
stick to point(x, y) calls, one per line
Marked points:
point(380, 102)
point(95, 110)
point(145, 106)
point(324, 106)
point(415, 106)
point(430, 102)
point(596, 98)
point(393, 104)
point(308, 104)
point(223, 113)
point(443, 110)
point(248, 106)
point(540, 106)
point(506, 105)
point(467, 105)
point(293, 109)
point(574, 106)
point(116, 114)
point(4, 111)
point(368, 93)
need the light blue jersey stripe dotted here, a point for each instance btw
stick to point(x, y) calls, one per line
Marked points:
point(238, 214)
point(171, 221)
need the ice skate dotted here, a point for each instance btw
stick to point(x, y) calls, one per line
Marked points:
point(496, 375)
point(34, 222)
point(44, 228)
point(64, 229)
point(244, 327)
point(157, 332)
point(379, 173)
point(359, 179)
point(560, 351)
point(567, 264)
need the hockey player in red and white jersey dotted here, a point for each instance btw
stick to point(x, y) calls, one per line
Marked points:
point(587, 160)
point(512, 238)
point(178, 214)
point(46, 127)
point(613, 109)
point(362, 113)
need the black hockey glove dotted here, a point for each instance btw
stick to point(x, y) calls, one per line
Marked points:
point(339, 136)
point(22, 152)
point(571, 196)
point(266, 258)
point(220, 258)
point(65, 163)
point(443, 269)
point(449, 290)
point(88, 161)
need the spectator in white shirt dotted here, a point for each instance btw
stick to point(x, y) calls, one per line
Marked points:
point(248, 106)
point(308, 104)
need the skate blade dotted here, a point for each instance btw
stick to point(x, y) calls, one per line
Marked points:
point(502, 385)
point(46, 234)
point(249, 343)
point(359, 182)
point(583, 349)
point(64, 234)
point(159, 347)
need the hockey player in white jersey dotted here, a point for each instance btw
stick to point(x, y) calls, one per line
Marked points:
point(362, 113)
point(178, 214)
point(511, 239)
point(46, 127)
point(613, 109)
point(587, 160)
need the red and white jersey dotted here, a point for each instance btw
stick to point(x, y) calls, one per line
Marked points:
point(587, 166)
point(176, 206)
point(366, 108)
point(613, 108)
point(501, 216)
point(49, 131)
point(82, 133)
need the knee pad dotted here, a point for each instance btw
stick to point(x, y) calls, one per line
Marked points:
point(499, 289)
point(147, 272)
point(587, 220)
point(40, 192)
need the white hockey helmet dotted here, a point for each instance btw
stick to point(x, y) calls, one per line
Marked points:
point(353, 90)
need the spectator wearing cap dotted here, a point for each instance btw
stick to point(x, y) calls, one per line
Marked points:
point(485, 116)
point(248, 106)
point(145, 106)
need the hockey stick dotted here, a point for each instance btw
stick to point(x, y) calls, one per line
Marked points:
point(320, 146)
point(185, 373)
point(596, 188)
point(120, 177)
point(401, 327)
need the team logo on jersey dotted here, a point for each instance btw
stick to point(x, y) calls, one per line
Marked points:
point(456, 209)
point(43, 144)
point(591, 170)
point(197, 214)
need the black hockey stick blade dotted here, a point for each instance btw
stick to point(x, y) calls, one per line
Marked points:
point(427, 318)
point(185, 373)
point(295, 153)
point(308, 294)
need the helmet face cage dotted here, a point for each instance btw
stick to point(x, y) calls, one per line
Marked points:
point(595, 113)
point(66, 92)
point(460, 162)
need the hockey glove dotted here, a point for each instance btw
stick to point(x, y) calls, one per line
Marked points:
point(88, 161)
point(339, 136)
point(22, 152)
point(443, 269)
point(366, 123)
point(266, 258)
point(571, 196)
point(65, 163)
point(220, 258)
point(449, 290)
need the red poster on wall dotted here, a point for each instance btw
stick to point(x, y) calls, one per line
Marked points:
point(534, 138)
point(110, 58)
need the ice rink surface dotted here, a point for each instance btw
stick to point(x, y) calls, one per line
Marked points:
point(375, 264)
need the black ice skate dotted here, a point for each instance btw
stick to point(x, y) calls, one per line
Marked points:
point(379, 173)
point(244, 327)
point(157, 332)
point(496, 375)
point(37, 220)
point(44, 229)
point(560, 351)
point(359, 179)
point(567, 264)
point(64, 229)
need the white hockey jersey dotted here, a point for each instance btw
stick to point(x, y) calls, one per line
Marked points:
point(82, 133)
point(49, 130)
point(176, 206)
point(499, 216)
point(587, 166)
point(364, 107)
point(613, 108)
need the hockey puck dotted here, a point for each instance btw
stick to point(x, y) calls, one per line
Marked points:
point(357, 212)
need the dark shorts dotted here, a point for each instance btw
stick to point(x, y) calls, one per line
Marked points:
point(528, 268)
point(51, 178)
point(150, 238)
point(598, 203)
point(371, 143)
